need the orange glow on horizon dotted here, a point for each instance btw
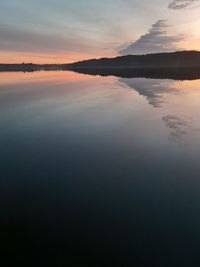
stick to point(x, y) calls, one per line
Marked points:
point(192, 43)
point(47, 58)
point(70, 57)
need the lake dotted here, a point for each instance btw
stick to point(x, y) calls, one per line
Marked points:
point(99, 170)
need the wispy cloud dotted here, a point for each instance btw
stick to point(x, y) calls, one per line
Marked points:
point(154, 41)
point(181, 4)
point(14, 39)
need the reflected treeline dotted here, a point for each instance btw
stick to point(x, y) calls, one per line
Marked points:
point(153, 73)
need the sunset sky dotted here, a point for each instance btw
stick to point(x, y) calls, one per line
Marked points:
point(44, 31)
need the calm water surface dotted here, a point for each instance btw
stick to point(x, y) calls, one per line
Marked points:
point(99, 170)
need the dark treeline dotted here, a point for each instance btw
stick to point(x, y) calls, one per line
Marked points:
point(183, 65)
point(159, 60)
point(29, 67)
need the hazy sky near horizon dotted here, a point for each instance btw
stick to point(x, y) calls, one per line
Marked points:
point(65, 31)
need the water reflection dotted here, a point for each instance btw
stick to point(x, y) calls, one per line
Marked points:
point(89, 165)
point(154, 90)
point(157, 92)
point(178, 126)
point(150, 73)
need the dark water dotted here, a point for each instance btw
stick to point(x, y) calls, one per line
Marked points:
point(99, 171)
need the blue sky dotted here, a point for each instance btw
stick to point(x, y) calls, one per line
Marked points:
point(66, 30)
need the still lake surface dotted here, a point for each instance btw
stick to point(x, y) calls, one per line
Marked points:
point(102, 170)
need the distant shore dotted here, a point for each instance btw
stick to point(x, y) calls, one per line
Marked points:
point(181, 65)
point(29, 67)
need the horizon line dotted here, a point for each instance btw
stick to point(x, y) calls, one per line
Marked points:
point(158, 53)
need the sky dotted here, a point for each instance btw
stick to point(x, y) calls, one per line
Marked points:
point(62, 31)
